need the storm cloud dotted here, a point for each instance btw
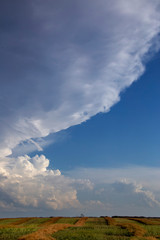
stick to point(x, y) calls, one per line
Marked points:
point(63, 62)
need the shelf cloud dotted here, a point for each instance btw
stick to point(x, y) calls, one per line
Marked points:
point(63, 62)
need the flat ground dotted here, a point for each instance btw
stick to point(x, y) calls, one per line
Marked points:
point(87, 228)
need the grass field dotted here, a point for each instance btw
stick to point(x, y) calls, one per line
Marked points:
point(60, 228)
point(68, 220)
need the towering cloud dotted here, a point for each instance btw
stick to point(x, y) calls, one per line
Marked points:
point(27, 187)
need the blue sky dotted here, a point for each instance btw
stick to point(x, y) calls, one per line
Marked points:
point(79, 107)
point(127, 135)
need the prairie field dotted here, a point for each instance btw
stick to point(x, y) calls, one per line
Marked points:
point(80, 228)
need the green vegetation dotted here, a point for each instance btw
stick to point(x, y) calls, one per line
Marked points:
point(86, 228)
point(8, 221)
point(147, 221)
point(152, 230)
point(95, 222)
point(87, 233)
point(35, 221)
point(68, 220)
point(123, 220)
point(94, 229)
point(14, 233)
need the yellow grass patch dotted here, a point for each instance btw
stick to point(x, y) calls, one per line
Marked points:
point(49, 228)
point(45, 233)
point(132, 228)
point(81, 222)
point(51, 221)
point(151, 238)
point(146, 221)
point(110, 221)
point(21, 221)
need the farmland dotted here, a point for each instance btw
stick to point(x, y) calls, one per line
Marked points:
point(85, 228)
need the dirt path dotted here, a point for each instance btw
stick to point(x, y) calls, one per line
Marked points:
point(45, 233)
point(146, 238)
point(16, 224)
point(110, 221)
point(49, 228)
point(51, 221)
point(134, 229)
point(21, 221)
point(80, 222)
point(146, 221)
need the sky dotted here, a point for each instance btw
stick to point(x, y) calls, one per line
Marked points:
point(79, 108)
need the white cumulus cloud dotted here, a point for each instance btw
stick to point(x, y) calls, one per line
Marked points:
point(120, 191)
point(28, 186)
point(26, 182)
